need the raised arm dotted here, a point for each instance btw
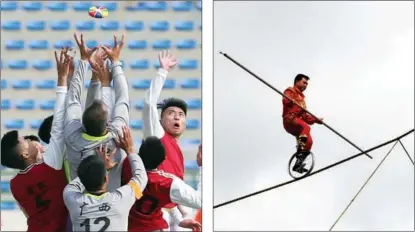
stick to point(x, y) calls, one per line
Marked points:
point(54, 154)
point(122, 100)
point(95, 87)
point(134, 189)
point(151, 119)
point(73, 103)
point(183, 194)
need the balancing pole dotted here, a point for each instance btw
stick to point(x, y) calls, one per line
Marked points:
point(276, 90)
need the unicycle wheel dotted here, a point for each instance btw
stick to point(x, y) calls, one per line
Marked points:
point(308, 164)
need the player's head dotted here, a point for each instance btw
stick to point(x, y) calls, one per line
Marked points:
point(301, 82)
point(152, 152)
point(18, 152)
point(95, 119)
point(45, 128)
point(173, 116)
point(93, 174)
point(35, 142)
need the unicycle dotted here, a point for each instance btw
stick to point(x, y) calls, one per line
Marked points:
point(306, 161)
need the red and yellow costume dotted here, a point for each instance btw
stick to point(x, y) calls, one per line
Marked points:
point(295, 120)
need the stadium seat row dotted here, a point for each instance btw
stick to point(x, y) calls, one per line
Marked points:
point(19, 124)
point(41, 65)
point(90, 25)
point(32, 104)
point(189, 83)
point(131, 44)
point(179, 6)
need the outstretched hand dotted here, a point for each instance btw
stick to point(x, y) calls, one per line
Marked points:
point(191, 224)
point(167, 60)
point(114, 53)
point(86, 52)
point(107, 156)
point(125, 142)
point(63, 63)
point(99, 68)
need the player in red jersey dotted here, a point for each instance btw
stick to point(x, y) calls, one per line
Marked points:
point(296, 121)
point(39, 185)
point(162, 189)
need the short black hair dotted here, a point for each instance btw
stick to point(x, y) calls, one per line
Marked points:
point(10, 156)
point(92, 172)
point(299, 77)
point(33, 138)
point(152, 152)
point(166, 103)
point(45, 129)
point(95, 119)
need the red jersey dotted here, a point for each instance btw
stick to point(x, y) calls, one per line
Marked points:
point(174, 162)
point(162, 189)
point(291, 110)
point(39, 191)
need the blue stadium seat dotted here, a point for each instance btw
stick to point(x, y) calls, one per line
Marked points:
point(14, 44)
point(188, 64)
point(182, 5)
point(91, 43)
point(87, 83)
point(61, 25)
point(199, 5)
point(111, 6)
point(27, 104)
point(140, 83)
point(136, 124)
point(5, 104)
point(39, 44)
point(45, 84)
point(58, 6)
point(81, 6)
point(186, 44)
point(140, 6)
point(134, 25)
point(190, 83)
point(161, 25)
point(185, 25)
point(42, 64)
point(87, 25)
point(156, 6)
point(18, 64)
point(5, 186)
point(3, 84)
point(169, 84)
point(36, 25)
point(194, 104)
point(110, 43)
point(35, 124)
point(12, 25)
point(32, 6)
point(8, 5)
point(156, 64)
point(110, 25)
point(191, 165)
point(14, 124)
point(8, 205)
point(162, 44)
point(140, 64)
point(139, 104)
point(192, 124)
point(47, 104)
point(137, 44)
point(63, 43)
point(21, 84)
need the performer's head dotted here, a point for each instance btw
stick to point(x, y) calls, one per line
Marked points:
point(152, 152)
point(173, 116)
point(301, 82)
point(18, 152)
point(93, 174)
point(95, 119)
point(45, 128)
point(35, 142)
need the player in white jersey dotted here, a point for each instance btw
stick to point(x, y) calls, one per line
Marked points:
point(90, 206)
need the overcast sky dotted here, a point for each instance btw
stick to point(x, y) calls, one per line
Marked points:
point(360, 57)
